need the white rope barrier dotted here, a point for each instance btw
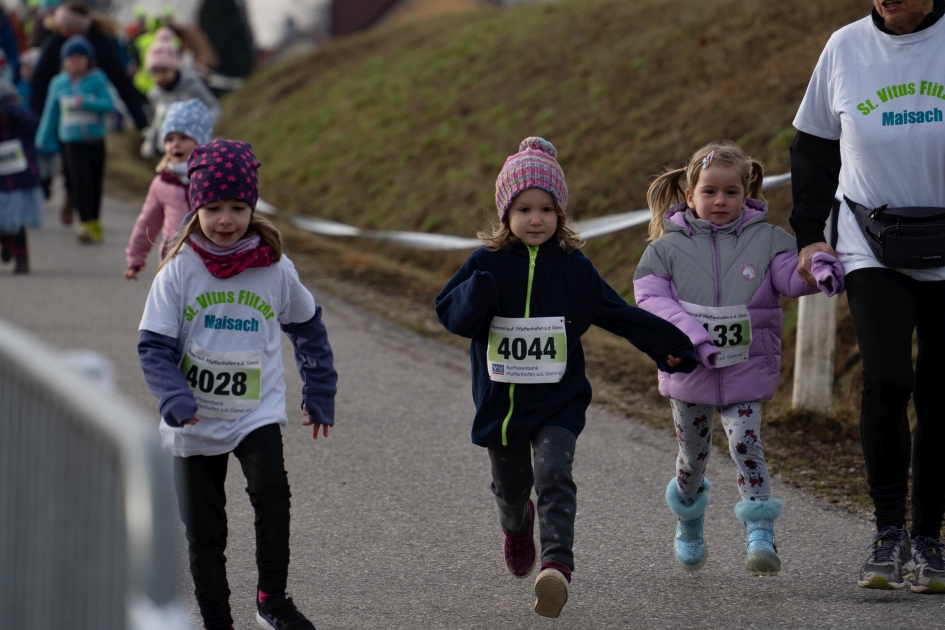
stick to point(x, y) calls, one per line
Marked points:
point(590, 228)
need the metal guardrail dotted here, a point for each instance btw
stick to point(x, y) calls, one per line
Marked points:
point(87, 535)
point(589, 228)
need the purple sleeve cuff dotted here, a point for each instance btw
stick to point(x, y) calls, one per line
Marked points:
point(178, 409)
point(707, 354)
point(321, 409)
point(828, 272)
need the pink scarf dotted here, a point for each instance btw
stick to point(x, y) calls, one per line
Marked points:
point(226, 262)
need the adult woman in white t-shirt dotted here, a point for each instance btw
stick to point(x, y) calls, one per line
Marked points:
point(873, 120)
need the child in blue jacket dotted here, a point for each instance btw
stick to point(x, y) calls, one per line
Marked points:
point(74, 120)
point(525, 298)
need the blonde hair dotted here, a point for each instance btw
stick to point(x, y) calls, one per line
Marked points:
point(566, 233)
point(668, 189)
point(268, 234)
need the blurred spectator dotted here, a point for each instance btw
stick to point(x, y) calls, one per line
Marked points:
point(10, 47)
point(28, 61)
point(172, 83)
point(74, 18)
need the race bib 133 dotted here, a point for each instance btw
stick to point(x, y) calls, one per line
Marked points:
point(729, 327)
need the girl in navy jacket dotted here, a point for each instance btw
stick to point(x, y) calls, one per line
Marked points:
point(524, 299)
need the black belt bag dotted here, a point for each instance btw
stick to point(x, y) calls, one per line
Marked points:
point(903, 238)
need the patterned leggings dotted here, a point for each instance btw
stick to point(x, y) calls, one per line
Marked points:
point(742, 422)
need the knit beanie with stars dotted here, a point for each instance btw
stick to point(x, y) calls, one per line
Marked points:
point(534, 166)
point(223, 169)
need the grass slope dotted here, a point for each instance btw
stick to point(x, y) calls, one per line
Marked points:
point(406, 128)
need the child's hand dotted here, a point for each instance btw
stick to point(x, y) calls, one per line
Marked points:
point(131, 273)
point(672, 361)
point(193, 420)
point(309, 423)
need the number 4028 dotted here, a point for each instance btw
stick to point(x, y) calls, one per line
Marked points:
point(204, 379)
point(518, 348)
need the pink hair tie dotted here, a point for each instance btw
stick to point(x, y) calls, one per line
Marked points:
point(707, 160)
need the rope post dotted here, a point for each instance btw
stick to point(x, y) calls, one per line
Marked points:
point(817, 340)
point(814, 354)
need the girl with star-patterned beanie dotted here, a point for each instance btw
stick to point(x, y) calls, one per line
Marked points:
point(211, 352)
point(524, 300)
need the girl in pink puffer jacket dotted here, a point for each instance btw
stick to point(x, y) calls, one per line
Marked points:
point(187, 124)
point(717, 270)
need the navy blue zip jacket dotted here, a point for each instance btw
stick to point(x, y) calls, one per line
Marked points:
point(563, 285)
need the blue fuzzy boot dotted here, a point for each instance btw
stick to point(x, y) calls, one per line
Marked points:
point(758, 518)
point(690, 547)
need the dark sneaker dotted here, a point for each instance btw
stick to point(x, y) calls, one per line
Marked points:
point(928, 574)
point(884, 568)
point(6, 252)
point(520, 548)
point(22, 265)
point(279, 613)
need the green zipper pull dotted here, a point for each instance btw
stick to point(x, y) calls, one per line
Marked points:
point(532, 257)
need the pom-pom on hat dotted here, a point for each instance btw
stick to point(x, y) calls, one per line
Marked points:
point(534, 166)
point(191, 118)
point(223, 169)
point(77, 45)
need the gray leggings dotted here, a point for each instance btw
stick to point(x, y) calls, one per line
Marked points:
point(512, 481)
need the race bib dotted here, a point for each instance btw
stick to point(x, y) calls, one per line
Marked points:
point(74, 117)
point(527, 350)
point(729, 327)
point(12, 157)
point(225, 384)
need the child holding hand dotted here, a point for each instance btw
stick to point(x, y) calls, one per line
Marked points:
point(186, 125)
point(524, 299)
point(717, 269)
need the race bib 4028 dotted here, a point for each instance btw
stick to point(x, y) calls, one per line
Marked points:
point(225, 384)
point(729, 327)
point(527, 350)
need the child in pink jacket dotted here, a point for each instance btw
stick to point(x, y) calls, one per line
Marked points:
point(187, 124)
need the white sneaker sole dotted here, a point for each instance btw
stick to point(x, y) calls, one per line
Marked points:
point(263, 623)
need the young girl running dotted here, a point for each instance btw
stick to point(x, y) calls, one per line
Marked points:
point(74, 121)
point(211, 352)
point(716, 268)
point(186, 124)
point(525, 298)
point(21, 193)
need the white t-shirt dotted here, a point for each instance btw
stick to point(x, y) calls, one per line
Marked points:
point(883, 97)
point(240, 315)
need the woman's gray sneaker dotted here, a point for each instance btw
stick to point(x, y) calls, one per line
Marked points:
point(884, 568)
point(928, 576)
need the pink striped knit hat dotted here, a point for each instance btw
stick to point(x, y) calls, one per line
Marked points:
point(534, 166)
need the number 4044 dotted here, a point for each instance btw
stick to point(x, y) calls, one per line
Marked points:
point(519, 348)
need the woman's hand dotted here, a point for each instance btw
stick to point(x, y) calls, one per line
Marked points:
point(309, 423)
point(804, 261)
point(672, 361)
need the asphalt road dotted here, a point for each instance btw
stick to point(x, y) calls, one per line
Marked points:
point(393, 525)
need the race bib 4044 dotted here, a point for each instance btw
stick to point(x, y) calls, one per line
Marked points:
point(225, 384)
point(527, 350)
point(729, 327)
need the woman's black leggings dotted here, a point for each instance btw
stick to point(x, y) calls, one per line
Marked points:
point(84, 163)
point(200, 494)
point(887, 307)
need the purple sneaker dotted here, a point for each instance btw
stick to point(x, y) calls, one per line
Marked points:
point(520, 548)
